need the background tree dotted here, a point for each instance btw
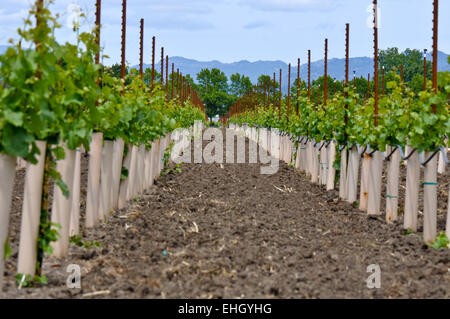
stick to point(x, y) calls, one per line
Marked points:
point(321, 81)
point(361, 86)
point(262, 79)
point(115, 70)
point(213, 90)
point(190, 80)
point(148, 76)
point(412, 60)
point(240, 84)
point(303, 87)
point(317, 86)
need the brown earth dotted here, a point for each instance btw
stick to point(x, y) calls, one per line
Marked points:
point(226, 231)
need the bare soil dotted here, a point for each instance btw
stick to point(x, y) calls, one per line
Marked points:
point(227, 231)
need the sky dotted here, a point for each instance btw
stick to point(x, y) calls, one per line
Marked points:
point(234, 30)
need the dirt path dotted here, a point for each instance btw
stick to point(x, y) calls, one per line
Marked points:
point(226, 231)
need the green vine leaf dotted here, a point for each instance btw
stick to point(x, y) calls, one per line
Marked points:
point(7, 249)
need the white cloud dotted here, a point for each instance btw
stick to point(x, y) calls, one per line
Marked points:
point(178, 23)
point(162, 14)
point(256, 25)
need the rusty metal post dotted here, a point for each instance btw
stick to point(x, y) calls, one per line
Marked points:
point(98, 10)
point(325, 76)
point(39, 7)
point(162, 67)
point(263, 93)
point(178, 82)
point(173, 77)
point(425, 69)
point(45, 183)
point(181, 87)
point(153, 62)
point(245, 104)
point(167, 76)
point(347, 49)
point(289, 92)
point(375, 59)
point(258, 94)
point(347, 60)
point(186, 97)
point(141, 52)
point(279, 99)
point(124, 31)
point(248, 100)
point(298, 85)
point(309, 74)
point(254, 96)
point(184, 90)
point(274, 84)
point(98, 14)
point(435, 47)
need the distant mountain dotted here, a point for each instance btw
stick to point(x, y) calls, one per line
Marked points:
point(336, 67)
point(250, 69)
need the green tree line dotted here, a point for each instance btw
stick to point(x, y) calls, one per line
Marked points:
point(218, 92)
